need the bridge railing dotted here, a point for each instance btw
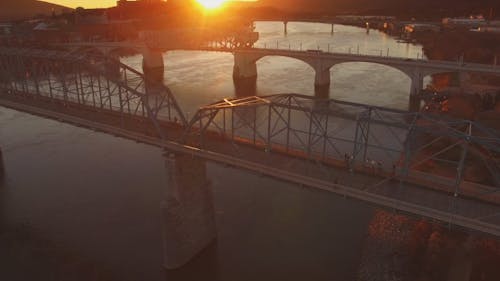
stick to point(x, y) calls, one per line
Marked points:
point(436, 164)
point(327, 49)
point(357, 137)
point(95, 82)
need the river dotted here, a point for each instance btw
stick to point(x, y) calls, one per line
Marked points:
point(75, 202)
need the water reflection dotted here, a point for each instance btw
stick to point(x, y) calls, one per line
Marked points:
point(245, 87)
point(204, 264)
point(322, 92)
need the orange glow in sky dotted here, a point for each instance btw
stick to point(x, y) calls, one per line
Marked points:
point(84, 3)
point(211, 4)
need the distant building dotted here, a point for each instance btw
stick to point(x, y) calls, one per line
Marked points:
point(91, 16)
point(51, 31)
point(136, 9)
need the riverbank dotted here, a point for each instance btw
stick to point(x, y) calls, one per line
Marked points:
point(402, 248)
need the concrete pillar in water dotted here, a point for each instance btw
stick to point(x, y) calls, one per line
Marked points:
point(463, 79)
point(188, 212)
point(333, 27)
point(111, 66)
point(285, 27)
point(152, 65)
point(2, 171)
point(245, 67)
point(245, 87)
point(417, 83)
point(321, 78)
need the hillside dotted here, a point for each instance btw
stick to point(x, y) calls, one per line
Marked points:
point(19, 9)
point(426, 8)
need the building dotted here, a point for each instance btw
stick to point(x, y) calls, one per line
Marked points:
point(142, 9)
point(91, 16)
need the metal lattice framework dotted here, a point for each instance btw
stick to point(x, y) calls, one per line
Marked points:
point(323, 129)
point(94, 81)
point(390, 153)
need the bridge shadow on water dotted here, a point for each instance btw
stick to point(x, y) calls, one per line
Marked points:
point(202, 266)
point(2, 169)
point(322, 92)
point(245, 87)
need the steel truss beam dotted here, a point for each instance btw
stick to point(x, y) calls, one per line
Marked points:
point(360, 135)
point(98, 82)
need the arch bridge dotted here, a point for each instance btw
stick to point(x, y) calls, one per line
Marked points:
point(246, 57)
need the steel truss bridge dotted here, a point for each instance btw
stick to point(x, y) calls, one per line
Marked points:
point(417, 163)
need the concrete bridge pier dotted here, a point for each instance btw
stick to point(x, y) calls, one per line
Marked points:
point(245, 68)
point(111, 67)
point(245, 87)
point(188, 219)
point(463, 79)
point(2, 170)
point(245, 74)
point(285, 27)
point(321, 78)
point(152, 65)
point(417, 84)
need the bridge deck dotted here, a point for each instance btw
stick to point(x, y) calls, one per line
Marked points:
point(366, 185)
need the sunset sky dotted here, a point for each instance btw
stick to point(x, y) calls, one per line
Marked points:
point(84, 3)
point(91, 3)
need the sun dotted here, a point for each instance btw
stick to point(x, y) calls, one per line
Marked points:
point(211, 4)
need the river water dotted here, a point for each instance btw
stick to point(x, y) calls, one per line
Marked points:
point(91, 202)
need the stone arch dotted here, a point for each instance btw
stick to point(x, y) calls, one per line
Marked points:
point(307, 62)
point(407, 72)
point(245, 64)
point(402, 81)
point(300, 67)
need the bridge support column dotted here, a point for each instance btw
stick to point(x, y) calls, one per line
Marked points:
point(417, 83)
point(322, 78)
point(111, 67)
point(2, 170)
point(245, 68)
point(285, 27)
point(188, 212)
point(152, 65)
point(463, 79)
